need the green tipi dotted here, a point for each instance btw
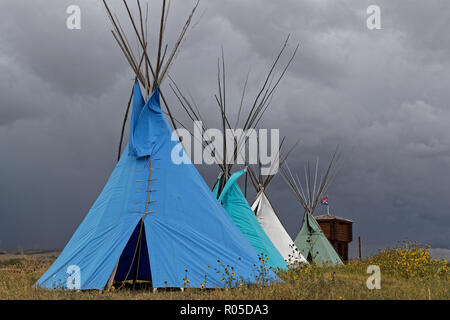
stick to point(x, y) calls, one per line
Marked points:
point(311, 241)
point(313, 244)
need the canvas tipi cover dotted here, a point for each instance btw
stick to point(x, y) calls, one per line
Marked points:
point(313, 244)
point(184, 228)
point(275, 230)
point(243, 216)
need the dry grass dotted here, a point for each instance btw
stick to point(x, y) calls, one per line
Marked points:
point(425, 279)
point(7, 255)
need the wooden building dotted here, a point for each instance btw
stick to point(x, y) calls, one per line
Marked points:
point(338, 231)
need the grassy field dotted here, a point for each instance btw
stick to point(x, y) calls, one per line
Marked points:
point(407, 272)
point(7, 256)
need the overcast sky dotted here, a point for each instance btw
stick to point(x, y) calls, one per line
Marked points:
point(382, 95)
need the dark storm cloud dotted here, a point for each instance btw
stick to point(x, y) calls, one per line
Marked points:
point(381, 95)
point(35, 36)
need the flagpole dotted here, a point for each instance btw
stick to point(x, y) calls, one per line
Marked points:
point(328, 206)
point(324, 201)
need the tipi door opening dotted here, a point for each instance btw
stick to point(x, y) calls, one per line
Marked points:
point(134, 262)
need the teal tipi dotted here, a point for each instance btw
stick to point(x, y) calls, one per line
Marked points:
point(244, 218)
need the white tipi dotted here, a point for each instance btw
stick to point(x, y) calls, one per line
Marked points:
point(268, 218)
point(275, 230)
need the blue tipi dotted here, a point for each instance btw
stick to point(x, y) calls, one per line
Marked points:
point(154, 220)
